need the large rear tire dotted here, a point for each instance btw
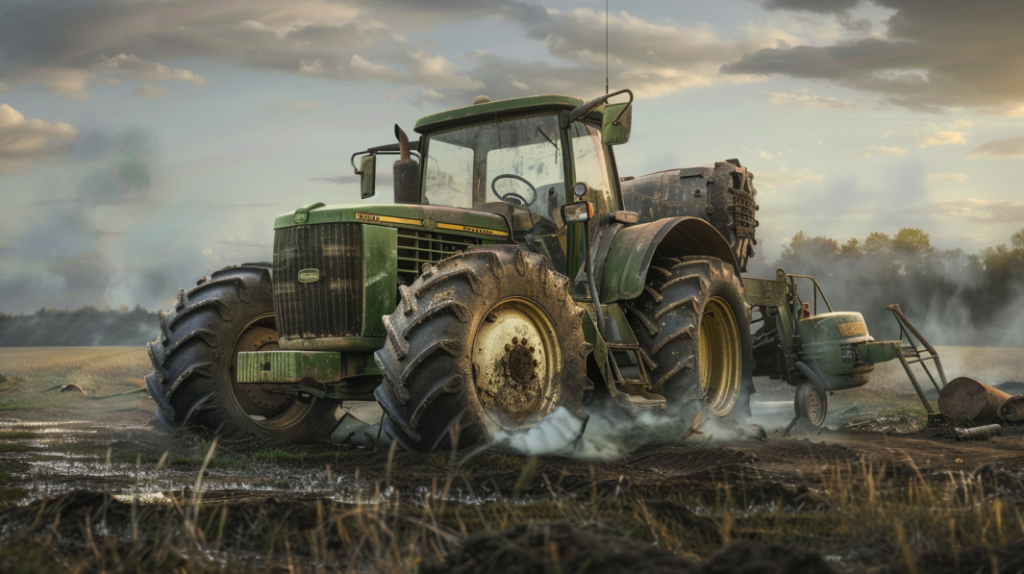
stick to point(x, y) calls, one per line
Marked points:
point(195, 356)
point(692, 321)
point(488, 340)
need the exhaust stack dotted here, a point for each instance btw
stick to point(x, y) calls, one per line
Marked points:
point(406, 172)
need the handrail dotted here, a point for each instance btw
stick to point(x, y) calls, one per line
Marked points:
point(817, 289)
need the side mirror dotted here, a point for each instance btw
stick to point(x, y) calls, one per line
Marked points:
point(367, 173)
point(577, 212)
point(616, 122)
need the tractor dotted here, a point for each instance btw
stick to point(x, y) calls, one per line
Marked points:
point(514, 274)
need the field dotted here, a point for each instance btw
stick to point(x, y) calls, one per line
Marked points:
point(88, 484)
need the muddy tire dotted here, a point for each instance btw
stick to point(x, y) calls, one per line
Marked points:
point(195, 354)
point(489, 340)
point(692, 321)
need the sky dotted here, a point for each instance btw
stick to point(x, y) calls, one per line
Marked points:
point(144, 144)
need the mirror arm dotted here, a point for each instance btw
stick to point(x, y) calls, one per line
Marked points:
point(584, 110)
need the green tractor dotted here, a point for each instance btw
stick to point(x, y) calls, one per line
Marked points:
point(515, 274)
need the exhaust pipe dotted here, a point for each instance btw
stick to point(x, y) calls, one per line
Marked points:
point(406, 171)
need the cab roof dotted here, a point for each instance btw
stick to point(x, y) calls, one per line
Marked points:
point(492, 109)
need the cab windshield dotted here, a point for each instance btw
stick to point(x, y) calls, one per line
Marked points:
point(517, 161)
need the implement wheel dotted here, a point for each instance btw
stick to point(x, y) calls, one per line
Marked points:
point(195, 357)
point(691, 321)
point(811, 403)
point(485, 341)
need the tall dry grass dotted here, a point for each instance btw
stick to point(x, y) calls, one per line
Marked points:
point(106, 364)
point(860, 516)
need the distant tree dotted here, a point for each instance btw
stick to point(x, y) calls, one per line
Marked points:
point(852, 249)
point(912, 241)
point(877, 242)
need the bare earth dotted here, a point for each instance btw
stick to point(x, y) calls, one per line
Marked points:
point(86, 481)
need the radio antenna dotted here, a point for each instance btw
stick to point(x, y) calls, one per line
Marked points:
point(606, 90)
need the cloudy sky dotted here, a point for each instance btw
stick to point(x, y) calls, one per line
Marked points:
point(145, 143)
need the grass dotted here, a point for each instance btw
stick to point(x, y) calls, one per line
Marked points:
point(6, 447)
point(864, 511)
point(34, 372)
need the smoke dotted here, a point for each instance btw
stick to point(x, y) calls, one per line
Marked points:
point(953, 298)
point(611, 433)
point(63, 258)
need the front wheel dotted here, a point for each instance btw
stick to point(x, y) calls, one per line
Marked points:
point(486, 341)
point(692, 321)
point(196, 355)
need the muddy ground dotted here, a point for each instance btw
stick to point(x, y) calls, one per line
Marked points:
point(88, 483)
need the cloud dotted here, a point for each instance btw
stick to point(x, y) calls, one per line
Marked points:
point(361, 41)
point(768, 180)
point(304, 105)
point(933, 56)
point(957, 177)
point(151, 91)
point(982, 211)
point(23, 142)
point(945, 137)
point(810, 100)
point(1008, 147)
point(883, 150)
point(818, 6)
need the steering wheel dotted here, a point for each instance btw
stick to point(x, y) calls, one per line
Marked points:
point(522, 200)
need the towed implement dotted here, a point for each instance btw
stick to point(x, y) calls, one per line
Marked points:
point(515, 274)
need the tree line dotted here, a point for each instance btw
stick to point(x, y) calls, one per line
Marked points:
point(955, 298)
point(79, 327)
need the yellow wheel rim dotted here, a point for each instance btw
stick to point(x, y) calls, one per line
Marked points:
point(719, 356)
point(516, 359)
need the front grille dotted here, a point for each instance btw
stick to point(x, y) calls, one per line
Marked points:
point(418, 247)
point(331, 306)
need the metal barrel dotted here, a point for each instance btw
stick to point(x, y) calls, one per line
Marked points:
point(966, 398)
point(1012, 409)
point(979, 433)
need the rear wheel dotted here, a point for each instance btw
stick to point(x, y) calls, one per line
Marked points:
point(691, 320)
point(485, 341)
point(196, 355)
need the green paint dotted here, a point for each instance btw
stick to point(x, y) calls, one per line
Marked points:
point(380, 274)
point(494, 109)
point(625, 269)
point(616, 123)
point(472, 223)
point(288, 367)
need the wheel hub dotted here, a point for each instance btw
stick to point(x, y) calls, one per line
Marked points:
point(518, 363)
point(515, 358)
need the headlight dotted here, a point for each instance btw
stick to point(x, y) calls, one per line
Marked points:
point(847, 355)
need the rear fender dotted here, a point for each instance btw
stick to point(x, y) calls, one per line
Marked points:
point(624, 270)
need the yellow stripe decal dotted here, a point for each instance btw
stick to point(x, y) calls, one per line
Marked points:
point(374, 218)
point(470, 229)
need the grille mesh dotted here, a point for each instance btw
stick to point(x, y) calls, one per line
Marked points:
point(332, 306)
point(418, 247)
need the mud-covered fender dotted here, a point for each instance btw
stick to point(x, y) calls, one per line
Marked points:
point(633, 248)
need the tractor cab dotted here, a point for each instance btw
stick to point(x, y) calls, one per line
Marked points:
point(520, 159)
